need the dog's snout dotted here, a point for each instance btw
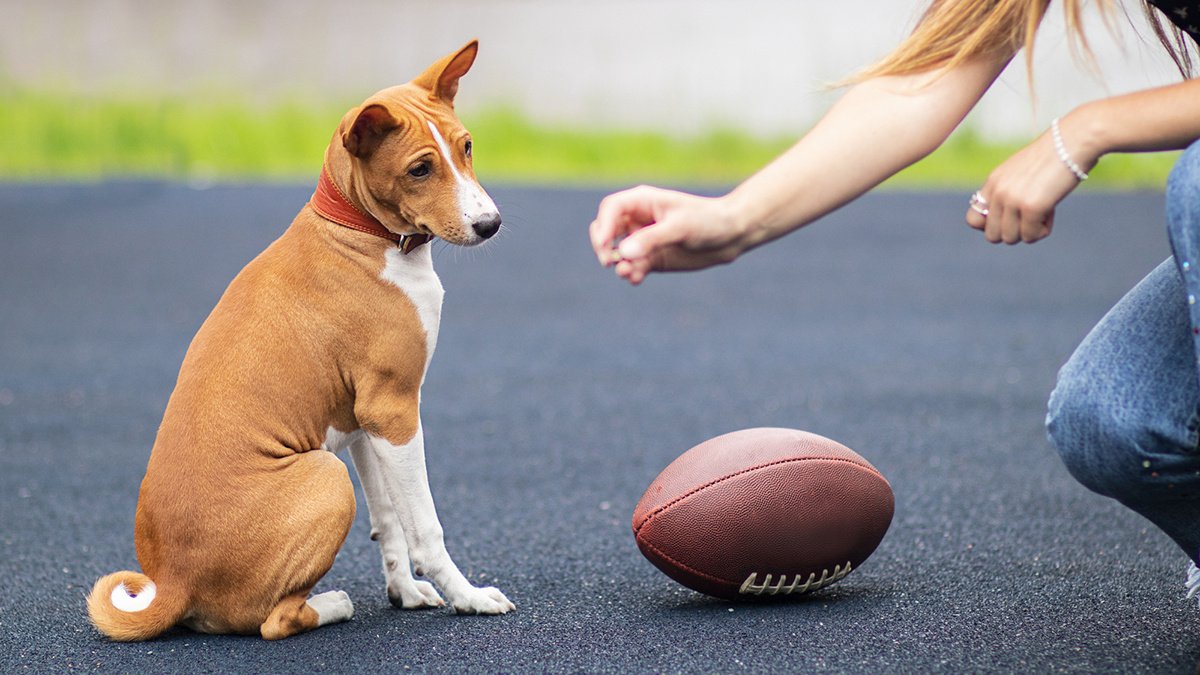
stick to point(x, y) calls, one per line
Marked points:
point(487, 225)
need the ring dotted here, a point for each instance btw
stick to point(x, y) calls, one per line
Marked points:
point(978, 204)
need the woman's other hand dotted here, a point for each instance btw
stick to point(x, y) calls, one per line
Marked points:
point(1017, 202)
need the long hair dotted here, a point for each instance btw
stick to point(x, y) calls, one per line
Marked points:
point(1176, 42)
point(951, 32)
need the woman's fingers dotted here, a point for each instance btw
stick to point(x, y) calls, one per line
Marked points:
point(619, 214)
point(1019, 198)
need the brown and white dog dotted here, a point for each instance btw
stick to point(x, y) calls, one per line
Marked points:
point(320, 344)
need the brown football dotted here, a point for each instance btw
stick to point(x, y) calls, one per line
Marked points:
point(763, 512)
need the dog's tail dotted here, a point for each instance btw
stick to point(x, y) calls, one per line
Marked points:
point(128, 607)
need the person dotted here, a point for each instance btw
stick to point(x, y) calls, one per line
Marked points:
point(1125, 412)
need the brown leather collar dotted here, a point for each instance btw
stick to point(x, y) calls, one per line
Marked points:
point(331, 204)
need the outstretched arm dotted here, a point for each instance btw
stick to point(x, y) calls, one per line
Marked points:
point(877, 128)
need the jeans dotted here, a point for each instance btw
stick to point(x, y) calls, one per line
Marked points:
point(1125, 412)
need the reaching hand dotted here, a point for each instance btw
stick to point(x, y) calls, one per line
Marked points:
point(646, 229)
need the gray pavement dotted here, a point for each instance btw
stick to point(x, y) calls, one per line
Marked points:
point(557, 394)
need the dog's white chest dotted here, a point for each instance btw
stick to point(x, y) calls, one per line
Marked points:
point(413, 273)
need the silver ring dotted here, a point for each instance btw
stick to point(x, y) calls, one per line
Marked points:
point(978, 204)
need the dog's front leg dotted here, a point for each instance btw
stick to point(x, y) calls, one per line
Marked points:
point(404, 476)
point(402, 589)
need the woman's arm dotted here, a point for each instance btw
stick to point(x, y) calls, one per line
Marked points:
point(877, 128)
point(1023, 192)
point(1164, 118)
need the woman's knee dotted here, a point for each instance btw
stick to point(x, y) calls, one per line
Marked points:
point(1099, 441)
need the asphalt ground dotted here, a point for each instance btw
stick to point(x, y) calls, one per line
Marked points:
point(558, 393)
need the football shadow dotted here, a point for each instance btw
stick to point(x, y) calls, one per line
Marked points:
point(844, 598)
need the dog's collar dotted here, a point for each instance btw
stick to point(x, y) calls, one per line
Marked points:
point(331, 204)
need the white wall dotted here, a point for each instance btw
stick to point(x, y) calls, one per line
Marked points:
point(677, 65)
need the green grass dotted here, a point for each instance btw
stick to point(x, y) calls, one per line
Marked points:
point(55, 136)
point(49, 135)
point(510, 147)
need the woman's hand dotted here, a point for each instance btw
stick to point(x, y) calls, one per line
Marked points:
point(1020, 196)
point(646, 229)
point(1022, 192)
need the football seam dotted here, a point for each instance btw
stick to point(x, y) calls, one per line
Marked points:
point(683, 566)
point(650, 516)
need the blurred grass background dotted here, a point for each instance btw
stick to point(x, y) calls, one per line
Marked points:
point(218, 137)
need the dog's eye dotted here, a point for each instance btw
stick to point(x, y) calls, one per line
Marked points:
point(419, 170)
point(467, 148)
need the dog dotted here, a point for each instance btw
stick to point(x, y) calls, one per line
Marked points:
point(320, 344)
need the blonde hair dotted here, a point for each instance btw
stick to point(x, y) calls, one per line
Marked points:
point(951, 32)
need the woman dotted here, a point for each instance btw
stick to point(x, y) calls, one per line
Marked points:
point(1125, 414)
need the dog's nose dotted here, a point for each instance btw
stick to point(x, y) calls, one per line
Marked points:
point(487, 225)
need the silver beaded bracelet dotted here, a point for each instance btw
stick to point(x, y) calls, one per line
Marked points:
point(1062, 152)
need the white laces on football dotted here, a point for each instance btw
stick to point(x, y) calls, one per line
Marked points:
point(1193, 580)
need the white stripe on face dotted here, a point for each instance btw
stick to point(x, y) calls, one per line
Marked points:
point(474, 203)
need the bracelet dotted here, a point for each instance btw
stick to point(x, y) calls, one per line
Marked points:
point(1062, 152)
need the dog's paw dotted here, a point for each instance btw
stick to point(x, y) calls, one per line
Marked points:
point(483, 601)
point(413, 594)
point(332, 607)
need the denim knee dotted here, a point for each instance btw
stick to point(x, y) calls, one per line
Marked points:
point(1100, 443)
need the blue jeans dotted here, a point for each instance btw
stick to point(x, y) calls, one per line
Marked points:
point(1125, 414)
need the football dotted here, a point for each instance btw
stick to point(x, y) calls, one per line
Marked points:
point(762, 513)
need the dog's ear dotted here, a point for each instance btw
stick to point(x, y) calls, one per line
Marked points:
point(370, 127)
point(441, 79)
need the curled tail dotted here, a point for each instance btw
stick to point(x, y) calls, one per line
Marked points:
point(128, 607)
